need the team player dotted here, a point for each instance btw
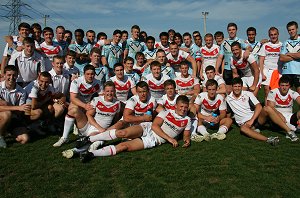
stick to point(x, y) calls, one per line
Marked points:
point(171, 34)
point(36, 32)
point(12, 103)
point(69, 65)
point(90, 37)
point(82, 50)
point(210, 72)
point(81, 91)
point(225, 52)
point(156, 80)
point(168, 100)
point(50, 48)
point(99, 118)
point(139, 64)
point(165, 128)
point(255, 45)
point(150, 52)
point(101, 72)
point(29, 62)
point(133, 44)
point(129, 71)
point(211, 108)
point(239, 102)
point(59, 38)
point(290, 55)
point(209, 54)
point(112, 53)
point(176, 56)
point(248, 67)
point(219, 37)
point(164, 42)
point(268, 59)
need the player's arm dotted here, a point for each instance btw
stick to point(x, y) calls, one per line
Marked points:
point(129, 117)
point(156, 128)
point(104, 61)
point(186, 138)
point(285, 58)
point(90, 115)
point(247, 52)
point(234, 72)
point(219, 63)
point(160, 108)
point(222, 114)
point(221, 89)
point(261, 66)
point(272, 103)
point(298, 100)
point(256, 113)
point(75, 100)
point(194, 65)
point(125, 54)
point(13, 107)
point(255, 69)
point(295, 55)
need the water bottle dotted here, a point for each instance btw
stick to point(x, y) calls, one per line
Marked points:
point(213, 115)
point(149, 112)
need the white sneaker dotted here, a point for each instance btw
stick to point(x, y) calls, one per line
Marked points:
point(95, 145)
point(292, 136)
point(61, 141)
point(68, 153)
point(197, 138)
point(219, 136)
point(75, 130)
point(207, 137)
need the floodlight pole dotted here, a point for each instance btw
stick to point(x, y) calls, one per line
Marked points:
point(204, 20)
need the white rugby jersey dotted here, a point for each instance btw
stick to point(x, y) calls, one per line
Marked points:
point(150, 54)
point(208, 106)
point(139, 107)
point(85, 90)
point(175, 61)
point(123, 87)
point(173, 124)
point(158, 45)
point(241, 106)
point(284, 104)
point(60, 82)
point(105, 110)
point(184, 85)
point(16, 43)
point(33, 91)
point(166, 103)
point(209, 55)
point(15, 97)
point(28, 67)
point(243, 65)
point(50, 51)
point(156, 87)
point(271, 53)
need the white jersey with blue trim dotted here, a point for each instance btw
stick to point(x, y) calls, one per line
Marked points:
point(102, 74)
point(256, 47)
point(85, 48)
point(225, 50)
point(167, 70)
point(291, 46)
point(134, 76)
point(194, 51)
point(134, 46)
point(150, 54)
point(112, 53)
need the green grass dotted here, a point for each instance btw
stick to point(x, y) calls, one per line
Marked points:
point(235, 167)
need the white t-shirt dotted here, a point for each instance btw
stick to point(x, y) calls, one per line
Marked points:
point(60, 82)
point(15, 97)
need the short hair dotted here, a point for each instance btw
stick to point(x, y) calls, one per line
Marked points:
point(69, 32)
point(71, 53)
point(208, 35)
point(128, 58)
point(196, 32)
point(187, 34)
point(171, 30)
point(177, 34)
point(184, 63)
point(138, 54)
point(101, 34)
point(154, 64)
point(11, 68)
point(59, 58)
point(291, 23)
point(109, 84)
point(170, 82)
point(163, 34)
point(36, 26)
point(231, 25)
point(117, 31)
point(160, 51)
point(150, 38)
point(79, 31)
point(284, 79)
point(272, 29)
point(237, 80)
point(218, 34)
point(142, 84)
point(209, 68)
point(46, 74)
point(118, 65)
point(48, 29)
point(23, 25)
point(90, 31)
point(88, 67)
point(173, 43)
point(60, 27)
point(211, 82)
point(95, 50)
point(251, 29)
point(182, 98)
point(135, 27)
point(236, 43)
point(28, 40)
point(124, 32)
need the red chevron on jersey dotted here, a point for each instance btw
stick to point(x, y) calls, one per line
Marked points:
point(212, 53)
point(283, 102)
point(185, 84)
point(240, 65)
point(271, 49)
point(176, 62)
point(140, 109)
point(153, 86)
point(169, 106)
point(122, 88)
point(178, 123)
point(106, 109)
point(211, 107)
point(47, 51)
point(90, 90)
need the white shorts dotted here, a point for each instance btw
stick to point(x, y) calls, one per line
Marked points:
point(248, 81)
point(148, 137)
point(87, 129)
point(287, 117)
point(268, 73)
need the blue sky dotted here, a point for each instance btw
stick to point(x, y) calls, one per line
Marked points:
point(155, 16)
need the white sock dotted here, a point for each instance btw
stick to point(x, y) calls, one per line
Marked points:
point(106, 135)
point(292, 127)
point(222, 129)
point(194, 126)
point(69, 122)
point(202, 130)
point(105, 151)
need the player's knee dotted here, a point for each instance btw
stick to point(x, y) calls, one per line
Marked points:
point(267, 109)
point(123, 146)
point(6, 115)
point(73, 111)
point(121, 133)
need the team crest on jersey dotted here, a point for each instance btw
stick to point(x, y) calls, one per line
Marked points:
point(90, 90)
point(283, 102)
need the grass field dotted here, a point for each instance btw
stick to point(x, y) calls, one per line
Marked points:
point(235, 167)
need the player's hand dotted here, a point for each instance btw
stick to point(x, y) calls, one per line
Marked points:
point(215, 119)
point(249, 123)
point(264, 77)
point(9, 40)
point(147, 118)
point(173, 142)
point(74, 76)
point(252, 88)
point(25, 107)
point(194, 75)
point(187, 143)
point(88, 107)
point(201, 77)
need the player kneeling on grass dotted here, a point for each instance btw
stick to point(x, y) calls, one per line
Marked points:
point(165, 128)
point(240, 102)
point(211, 108)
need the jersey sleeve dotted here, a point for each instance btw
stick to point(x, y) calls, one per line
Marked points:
point(74, 87)
point(130, 104)
point(34, 91)
point(189, 125)
point(271, 96)
point(198, 100)
point(231, 63)
point(252, 98)
point(295, 95)
point(251, 59)
point(283, 49)
point(222, 106)
point(262, 51)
